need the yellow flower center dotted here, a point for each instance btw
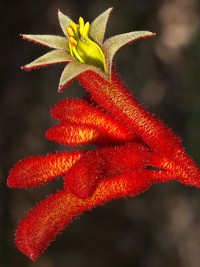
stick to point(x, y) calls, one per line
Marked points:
point(82, 48)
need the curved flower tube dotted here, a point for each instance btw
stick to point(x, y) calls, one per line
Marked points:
point(76, 111)
point(117, 100)
point(82, 123)
point(38, 170)
point(51, 216)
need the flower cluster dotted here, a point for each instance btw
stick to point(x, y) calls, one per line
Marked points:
point(134, 149)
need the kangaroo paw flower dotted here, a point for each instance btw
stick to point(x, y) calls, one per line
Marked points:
point(38, 170)
point(82, 47)
point(77, 111)
point(82, 123)
point(136, 149)
point(51, 216)
point(84, 176)
point(117, 100)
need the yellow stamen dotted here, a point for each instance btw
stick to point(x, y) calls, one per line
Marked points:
point(70, 32)
point(73, 26)
point(82, 48)
point(72, 41)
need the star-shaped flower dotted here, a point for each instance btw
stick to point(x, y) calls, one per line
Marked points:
point(82, 47)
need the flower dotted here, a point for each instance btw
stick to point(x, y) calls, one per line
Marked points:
point(82, 47)
point(134, 149)
point(123, 165)
point(90, 178)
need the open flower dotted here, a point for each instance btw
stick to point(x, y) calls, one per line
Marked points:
point(82, 47)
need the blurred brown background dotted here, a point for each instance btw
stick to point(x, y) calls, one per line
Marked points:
point(158, 228)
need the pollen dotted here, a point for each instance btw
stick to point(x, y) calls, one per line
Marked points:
point(70, 32)
point(72, 41)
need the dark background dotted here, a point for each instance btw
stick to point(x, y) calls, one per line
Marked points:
point(158, 228)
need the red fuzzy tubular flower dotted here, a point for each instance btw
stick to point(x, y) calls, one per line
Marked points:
point(86, 173)
point(49, 217)
point(117, 100)
point(38, 170)
point(136, 149)
point(82, 123)
point(79, 112)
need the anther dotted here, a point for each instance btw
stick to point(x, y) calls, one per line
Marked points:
point(70, 32)
point(73, 26)
point(72, 41)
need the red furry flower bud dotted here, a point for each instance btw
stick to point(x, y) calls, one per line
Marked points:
point(76, 111)
point(38, 170)
point(51, 216)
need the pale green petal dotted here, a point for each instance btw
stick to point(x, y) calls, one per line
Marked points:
point(114, 43)
point(64, 22)
point(52, 41)
point(98, 26)
point(72, 70)
point(53, 57)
